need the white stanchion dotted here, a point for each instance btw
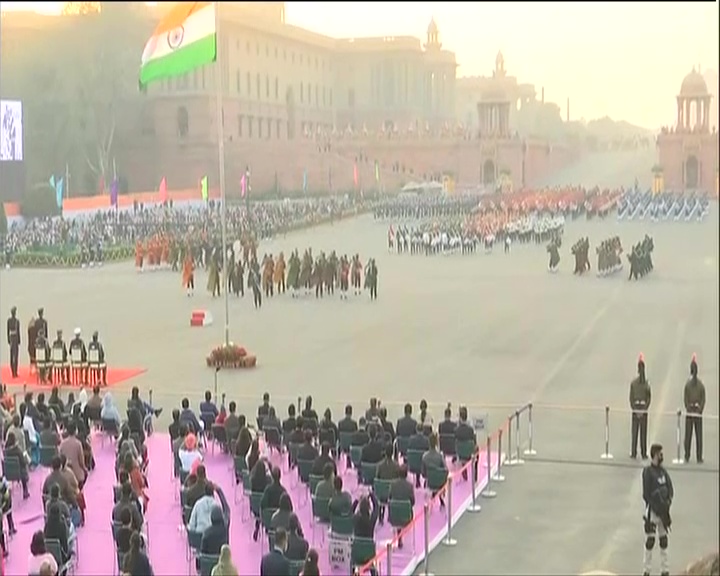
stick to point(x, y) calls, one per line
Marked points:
point(607, 455)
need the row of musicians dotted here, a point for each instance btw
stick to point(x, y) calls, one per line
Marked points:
point(77, 356)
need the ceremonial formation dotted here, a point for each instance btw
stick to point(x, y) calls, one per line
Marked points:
point(608, 256)
point(663, 207)
point(641, 258)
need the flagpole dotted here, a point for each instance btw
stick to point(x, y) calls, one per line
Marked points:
point(221, 166)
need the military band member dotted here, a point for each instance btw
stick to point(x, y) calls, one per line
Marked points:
point(640, 396)
point(95, 348)
point(59, 344)
point(77, 344)
point(658, 494)
point(13, 338)
point(694, 397)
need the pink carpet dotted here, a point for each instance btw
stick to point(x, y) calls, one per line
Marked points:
point(167, 546)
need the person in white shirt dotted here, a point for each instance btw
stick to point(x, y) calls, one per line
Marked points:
point(189, 453)
point(200, 517)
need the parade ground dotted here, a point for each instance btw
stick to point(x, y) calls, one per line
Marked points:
point(491, 331)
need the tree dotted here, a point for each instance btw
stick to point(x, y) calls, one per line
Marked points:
point(39, 202)
point(80, 8)
point(103, 79)
point(3, 220)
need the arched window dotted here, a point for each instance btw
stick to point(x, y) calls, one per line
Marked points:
point(183, 121)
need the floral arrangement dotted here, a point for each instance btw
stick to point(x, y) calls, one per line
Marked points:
point(230, 356)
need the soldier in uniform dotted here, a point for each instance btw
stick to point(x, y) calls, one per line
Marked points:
point(41, 343)
point(59, 344)
point(41, 323)
point(13, 338)
point(640, 397)
point(77, 344)
point(694, 397)
point(96, 345)
point(658, 494)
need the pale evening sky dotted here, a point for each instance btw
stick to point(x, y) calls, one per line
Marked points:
point(625, 60)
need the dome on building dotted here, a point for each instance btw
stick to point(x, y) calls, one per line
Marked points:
point(693, 85)
point(433, 27)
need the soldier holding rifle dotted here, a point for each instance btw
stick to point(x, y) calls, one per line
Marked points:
point(640, 397)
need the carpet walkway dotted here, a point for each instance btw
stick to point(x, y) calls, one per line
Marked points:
point(167, 541)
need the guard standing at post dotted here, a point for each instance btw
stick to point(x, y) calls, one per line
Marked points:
point(640, 397)
point(658, 494)
point(13, 338)
point(694, 397)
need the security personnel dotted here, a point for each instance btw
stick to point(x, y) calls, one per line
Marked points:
point(658, 495)
point(640, 397)
point(41, 323)
point(59, 344)
point(13, 338)
point(694, 405)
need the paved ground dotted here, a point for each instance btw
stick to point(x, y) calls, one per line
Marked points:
point(491, 331)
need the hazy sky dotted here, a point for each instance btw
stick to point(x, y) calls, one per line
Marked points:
point(625, 59)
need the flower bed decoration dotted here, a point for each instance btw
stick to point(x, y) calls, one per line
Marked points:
point(231, 356)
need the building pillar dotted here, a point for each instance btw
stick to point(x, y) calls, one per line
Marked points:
point(679, 114)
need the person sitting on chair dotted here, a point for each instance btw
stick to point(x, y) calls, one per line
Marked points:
point(60, 356)
point(77, 349)
point(41, 344)
point(109, 410)
point(96, 354)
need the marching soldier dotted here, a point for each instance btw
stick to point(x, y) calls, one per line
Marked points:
point(640, 397)
point(13, 338)
point(694, 397)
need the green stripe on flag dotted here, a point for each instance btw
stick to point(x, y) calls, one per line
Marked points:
point(181, 62)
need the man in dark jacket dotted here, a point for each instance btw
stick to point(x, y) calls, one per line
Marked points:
point(374, 451)
point(214, 535)
point(188, 416)
point(694, 397)
point(274, 563)
point(195, 491)
point(465, 433)
point(347, 426)
point(407, 425)
point(658, 494)
point(307, 451)
point(324, 457)
point(273, 493)
point(640, 397)
point(13, 339)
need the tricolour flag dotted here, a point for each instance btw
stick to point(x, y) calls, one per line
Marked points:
point(204, 188)
point(243, 186)
point(184, 40)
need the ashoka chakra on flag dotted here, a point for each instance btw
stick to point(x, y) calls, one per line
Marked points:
point(175, 37)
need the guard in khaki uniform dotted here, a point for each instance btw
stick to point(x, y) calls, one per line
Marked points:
point(640, 397)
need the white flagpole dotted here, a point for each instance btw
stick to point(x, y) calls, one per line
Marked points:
point(221, 165)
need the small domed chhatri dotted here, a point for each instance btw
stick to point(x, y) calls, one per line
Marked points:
point(432, 27)
point(693, 85)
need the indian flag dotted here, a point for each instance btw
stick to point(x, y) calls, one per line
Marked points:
point(184, 40)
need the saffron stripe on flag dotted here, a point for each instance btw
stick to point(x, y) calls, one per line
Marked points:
point(180, 14)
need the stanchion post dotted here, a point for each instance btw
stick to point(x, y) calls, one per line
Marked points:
point(474, 506)
point(498, 477)
point(426, 540)
point(678, 458)
point(222, 399)
point(530, 451)
point(508, 458)
point(299, 405)
point(517, 461)
point(150, 397)
point(488, 492)
point(388, 558)
point(606, 455)
point(449, 540)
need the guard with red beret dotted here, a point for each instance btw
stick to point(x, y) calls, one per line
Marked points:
point(640, 397)
point(694, 398)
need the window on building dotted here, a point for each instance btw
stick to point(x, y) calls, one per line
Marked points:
point(277, 88)
point(257, 85)
point(302, 93)
point(183, 122)
point(240, 125)
point(277, 129)
point(267, 86)
point(250, 126)
point(237, 81)
point(269, 128)
point(248, 81)
point(260, 125)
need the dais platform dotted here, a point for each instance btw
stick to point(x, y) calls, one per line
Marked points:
point(115, 376)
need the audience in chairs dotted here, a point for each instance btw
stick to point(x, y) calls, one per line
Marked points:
point(39, 556)
point(12, 450)
point(225, 566)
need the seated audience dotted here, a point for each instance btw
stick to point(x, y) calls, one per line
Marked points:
point(39, 555)
point(200, 516)
point(12, 450)
point(297, 546)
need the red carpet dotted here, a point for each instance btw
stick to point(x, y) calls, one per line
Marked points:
point(114, 376)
